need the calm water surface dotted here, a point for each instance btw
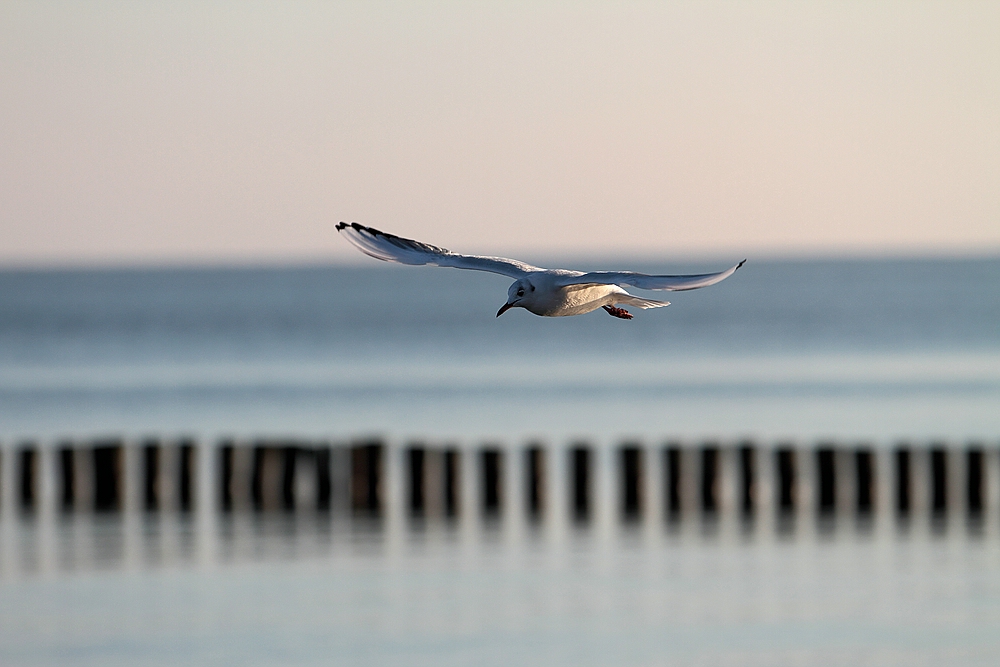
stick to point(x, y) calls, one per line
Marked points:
point(872, 349)
point(847, 349)
point(306, 590)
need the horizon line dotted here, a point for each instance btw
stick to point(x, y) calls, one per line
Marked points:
point(340, 260)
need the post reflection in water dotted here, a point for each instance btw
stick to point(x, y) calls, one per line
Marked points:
point(37, 544)
point(413, 554)
point(113, 506)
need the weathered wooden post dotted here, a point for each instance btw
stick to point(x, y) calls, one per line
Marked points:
point(827, 477)
point(257, 483)
point(974, 480)
point(904, 480)
point(324, 490)
point(632, 478)
point(151, 475)
point(492, 467)
point(452, 482)
point(939, 479)
point(748, 478)
point(289, 458)
point(709, 478)
point(534, 471)
point(580, 482)
point(785, 461)
point(107, 476)
point(366, 478)
point(28, 491)
point(186, 475)
point(268, 477)
point(415, 466)
point(672, 480)
point(67, 477)
point(226, 470)
point(864, 468)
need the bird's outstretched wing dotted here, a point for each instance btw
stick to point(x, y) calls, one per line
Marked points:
point(642, 281)
point(392, 248)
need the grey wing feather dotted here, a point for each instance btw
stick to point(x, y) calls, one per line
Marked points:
point(643, 281)
point(392, 248)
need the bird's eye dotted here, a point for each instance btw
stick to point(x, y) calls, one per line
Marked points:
point(520, 292)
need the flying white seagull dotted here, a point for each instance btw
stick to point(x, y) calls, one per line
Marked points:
point(546, 292)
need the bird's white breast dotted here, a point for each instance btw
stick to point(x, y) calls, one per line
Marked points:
point(552, 301)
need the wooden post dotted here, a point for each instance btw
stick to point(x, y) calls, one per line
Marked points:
point(827, 475)
point(580, 482)
point(107, 476)
point(785, 460)
point(452, 482)
point(67, 477)
point(29, 477)
point(366, 478)
point(709, 478)
point(265, 478)
point(748, 478)
point(864, 467)
point(151, 475)
point(289, 454)
point(974, 480)
point(534, 466)
point(672, 480)
point(186, 476)
point(492, 466)
point(632, 491)
point(324, 490)
point(226, 469)
point(939, 480)
point(257, 478)
point(904, 481)
point(415, 458)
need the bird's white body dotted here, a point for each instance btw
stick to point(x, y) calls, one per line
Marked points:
point(557, 301)
point(546, 292)
point(550, 299)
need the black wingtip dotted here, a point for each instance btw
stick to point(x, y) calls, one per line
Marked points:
point(341, 226)
point(741, 264)
point(358, 227)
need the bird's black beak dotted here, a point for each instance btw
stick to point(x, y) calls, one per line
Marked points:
point(504, 308)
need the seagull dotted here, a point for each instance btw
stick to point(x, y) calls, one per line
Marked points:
point(545, 292)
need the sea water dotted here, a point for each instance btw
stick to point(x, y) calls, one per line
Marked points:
point(292, 591)
point(862, 349)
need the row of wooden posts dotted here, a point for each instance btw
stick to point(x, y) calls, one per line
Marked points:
point(269, 475)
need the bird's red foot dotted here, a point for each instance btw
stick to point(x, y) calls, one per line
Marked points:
point(618, 312)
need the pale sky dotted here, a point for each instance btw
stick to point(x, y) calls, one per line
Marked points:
point(134, 132)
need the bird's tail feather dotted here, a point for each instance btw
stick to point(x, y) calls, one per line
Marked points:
point(639, 302)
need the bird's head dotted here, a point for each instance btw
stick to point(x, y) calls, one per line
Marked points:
point(520, 295)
